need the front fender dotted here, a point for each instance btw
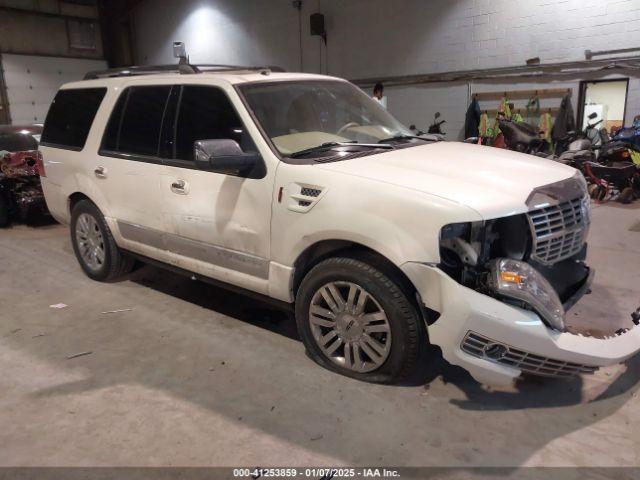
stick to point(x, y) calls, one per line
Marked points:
point(402, 225)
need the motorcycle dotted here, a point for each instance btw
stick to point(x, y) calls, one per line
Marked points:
point(522, 137)
point(607, 178)
point(436, 126)
point(617, 169)
point(435, 129)
point(597, 136)
point(630, 134)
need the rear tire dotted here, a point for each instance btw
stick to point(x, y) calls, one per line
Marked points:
point(626, 196)
point(357, 321)
point(94, 245)
point(4, 212)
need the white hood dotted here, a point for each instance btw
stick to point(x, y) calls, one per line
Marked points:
point(493, 181)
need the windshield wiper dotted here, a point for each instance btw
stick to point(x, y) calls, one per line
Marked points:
point(427, 138)
point(330, 145)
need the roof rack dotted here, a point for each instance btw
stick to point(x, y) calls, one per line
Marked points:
point(183, 68)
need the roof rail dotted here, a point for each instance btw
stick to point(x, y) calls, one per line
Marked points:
point(180, 68)
point(215, 67)
point(138, 70)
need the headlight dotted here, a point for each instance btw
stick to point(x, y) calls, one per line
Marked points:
point(520, 281)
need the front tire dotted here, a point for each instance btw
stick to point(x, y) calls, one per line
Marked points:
point(94, 245)
point(356, 320)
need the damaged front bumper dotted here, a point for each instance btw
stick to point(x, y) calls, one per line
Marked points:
point(497, 342)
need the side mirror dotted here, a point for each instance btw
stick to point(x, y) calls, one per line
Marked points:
point(437, 115)
point(226, 156)
point(592, 115)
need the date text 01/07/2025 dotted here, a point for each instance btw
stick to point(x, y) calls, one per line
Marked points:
point(323, 473)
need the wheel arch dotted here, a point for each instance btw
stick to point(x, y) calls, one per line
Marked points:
point(74, 198)
point(324, 249)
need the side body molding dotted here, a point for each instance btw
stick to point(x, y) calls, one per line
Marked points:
point(209, 253)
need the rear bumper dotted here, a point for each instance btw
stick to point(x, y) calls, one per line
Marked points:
point(464, 311)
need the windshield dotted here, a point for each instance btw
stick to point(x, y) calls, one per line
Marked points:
point(306, 114)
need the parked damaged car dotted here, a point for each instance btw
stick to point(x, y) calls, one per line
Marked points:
point(303, 189)
point(20, 190)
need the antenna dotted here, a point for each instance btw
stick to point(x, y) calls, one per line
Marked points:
point(180, 52)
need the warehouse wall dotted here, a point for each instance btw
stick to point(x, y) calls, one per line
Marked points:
point(379, 37)
point(43, 44)
point(32, 82)
point(418, 104)
point(249, 32)
point(40, 27)
point(374, 37)
point(371, 38)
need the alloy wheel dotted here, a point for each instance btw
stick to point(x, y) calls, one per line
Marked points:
point(90, 241)
point(350, 326)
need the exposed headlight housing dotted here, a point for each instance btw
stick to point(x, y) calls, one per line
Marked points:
point(520, 281)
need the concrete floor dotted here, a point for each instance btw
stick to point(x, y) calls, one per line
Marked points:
point(194, 375)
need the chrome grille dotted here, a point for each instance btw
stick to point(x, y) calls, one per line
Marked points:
point(476, 345)
point(559, 231)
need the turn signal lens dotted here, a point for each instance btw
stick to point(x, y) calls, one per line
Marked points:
point(511, 277)
point(520, 281)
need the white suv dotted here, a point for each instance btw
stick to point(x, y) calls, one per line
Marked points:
point(301, 188)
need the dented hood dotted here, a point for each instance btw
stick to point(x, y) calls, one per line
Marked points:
point(492, 181)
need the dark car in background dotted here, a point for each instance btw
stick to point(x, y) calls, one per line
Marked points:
point(20, 190)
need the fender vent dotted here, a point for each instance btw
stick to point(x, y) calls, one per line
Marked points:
point(303, 197)
point(310, 192)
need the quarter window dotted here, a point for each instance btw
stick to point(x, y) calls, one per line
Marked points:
point(70, 117)
point(206, 113)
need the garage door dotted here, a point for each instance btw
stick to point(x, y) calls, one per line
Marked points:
point(32, 82)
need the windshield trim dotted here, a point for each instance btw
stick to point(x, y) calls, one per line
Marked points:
point(239, 87)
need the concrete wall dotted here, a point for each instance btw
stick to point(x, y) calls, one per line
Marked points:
point(369, 38)
point(374, 37)
point(39, 27)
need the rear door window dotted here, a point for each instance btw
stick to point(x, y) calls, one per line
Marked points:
point(136, 121)
point(70, 117)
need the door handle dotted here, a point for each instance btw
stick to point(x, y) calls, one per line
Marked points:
point(100, 172)
point(179, 187)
